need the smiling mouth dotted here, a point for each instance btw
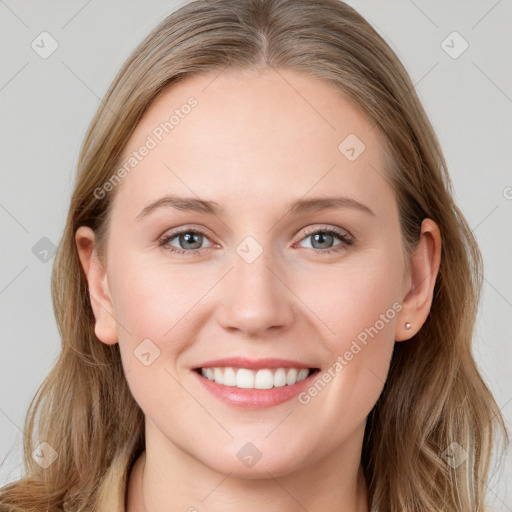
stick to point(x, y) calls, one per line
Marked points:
point(264, 378)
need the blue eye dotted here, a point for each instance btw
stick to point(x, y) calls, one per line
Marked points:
point(190, 241)
point(326, 236)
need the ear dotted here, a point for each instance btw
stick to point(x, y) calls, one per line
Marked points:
point(423, 269)
point(105, 327)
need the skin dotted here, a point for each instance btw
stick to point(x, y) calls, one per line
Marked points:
point(253, 144)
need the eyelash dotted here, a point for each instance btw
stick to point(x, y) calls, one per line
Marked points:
point(345, 239)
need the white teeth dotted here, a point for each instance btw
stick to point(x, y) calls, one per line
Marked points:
point(264, 379)
point(280, 378)
point(291, 378)
point(217, 375)
point(229, 377)
point(244, 378)
point(255, 379)
point(303, 373)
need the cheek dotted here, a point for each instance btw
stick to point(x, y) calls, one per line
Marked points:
point(358, 307)
point(352, 296)
point(155, 300)
point(157, 308)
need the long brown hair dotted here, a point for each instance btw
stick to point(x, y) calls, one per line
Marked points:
point(434, 395)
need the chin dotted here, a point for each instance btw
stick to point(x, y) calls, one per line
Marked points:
point(248, 464)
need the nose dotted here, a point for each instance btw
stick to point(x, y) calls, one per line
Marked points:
point(255, 299)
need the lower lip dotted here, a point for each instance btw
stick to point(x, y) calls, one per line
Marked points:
point(255, 398)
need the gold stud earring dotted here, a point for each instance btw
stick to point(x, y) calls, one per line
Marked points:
point(408, 325)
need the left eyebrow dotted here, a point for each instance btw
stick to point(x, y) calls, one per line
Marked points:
point(301, 206)
point(317, 204)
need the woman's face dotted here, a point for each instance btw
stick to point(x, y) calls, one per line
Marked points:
point(253, 281)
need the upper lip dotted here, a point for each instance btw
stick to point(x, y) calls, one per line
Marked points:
point(244, 362)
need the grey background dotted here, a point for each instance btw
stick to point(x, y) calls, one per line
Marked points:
point(47, 104)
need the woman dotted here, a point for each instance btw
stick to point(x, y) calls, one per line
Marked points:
point(311, 350)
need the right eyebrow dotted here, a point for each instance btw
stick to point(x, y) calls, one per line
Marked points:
point(183, 203)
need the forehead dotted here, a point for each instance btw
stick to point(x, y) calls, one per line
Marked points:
point(249, 134)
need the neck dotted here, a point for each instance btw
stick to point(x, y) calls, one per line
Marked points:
point(161, 478)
